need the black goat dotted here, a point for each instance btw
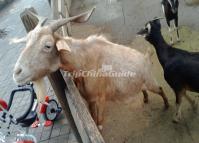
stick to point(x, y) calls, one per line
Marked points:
point(170, 10)
point(181, 68)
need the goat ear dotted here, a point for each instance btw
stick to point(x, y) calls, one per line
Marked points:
point(62, 45)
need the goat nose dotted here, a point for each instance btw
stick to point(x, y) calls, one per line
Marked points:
point(18, 71)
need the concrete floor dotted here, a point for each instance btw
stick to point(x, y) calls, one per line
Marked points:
point(135, 122)
point(123, 18)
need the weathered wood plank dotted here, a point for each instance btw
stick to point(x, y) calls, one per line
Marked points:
point(67, 3)
point(86, 125)
point(77, 119)
point(29, 21)
point(55, 78)
point(60, 10)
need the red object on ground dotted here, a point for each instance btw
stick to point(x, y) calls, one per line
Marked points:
point(44, 105)
point(3, 104)
point(48, 123)
point(43, 108)
point(35, 124)
point(47, 99)
point(42, 111)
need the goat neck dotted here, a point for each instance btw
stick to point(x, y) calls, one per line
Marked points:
point(71, 61)
point(161, 47)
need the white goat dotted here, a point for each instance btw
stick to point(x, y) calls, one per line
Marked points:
point(47, 52)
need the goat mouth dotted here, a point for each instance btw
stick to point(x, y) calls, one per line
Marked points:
point(22, 81)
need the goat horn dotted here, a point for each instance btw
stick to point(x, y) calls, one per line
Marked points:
point(57, 24)
point(41, 19)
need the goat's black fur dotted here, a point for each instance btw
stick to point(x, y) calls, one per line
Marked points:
point(170, 9)
point(181, 68)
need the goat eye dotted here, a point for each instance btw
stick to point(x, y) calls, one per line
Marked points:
point(47, 46)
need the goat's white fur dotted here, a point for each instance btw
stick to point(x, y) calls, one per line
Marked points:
point(40, 89)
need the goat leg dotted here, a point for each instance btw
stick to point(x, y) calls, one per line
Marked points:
point(178, 38)
point(158, 90)
point(145, 99)
point(178, 114)
point(170, 32)
point(100, 111)
point(164, 97)
point(176, 28)
point(171, 36)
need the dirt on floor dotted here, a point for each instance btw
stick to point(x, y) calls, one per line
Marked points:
point(136, 122)
point(192, 2)
point(3, 33)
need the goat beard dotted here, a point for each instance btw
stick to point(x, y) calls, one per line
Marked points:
point(40, 89)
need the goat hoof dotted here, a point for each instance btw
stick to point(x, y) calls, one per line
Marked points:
point(175, 121)
point(171, 43)
point(176, 118)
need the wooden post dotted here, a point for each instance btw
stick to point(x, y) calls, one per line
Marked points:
point(55, 78)
point(60, 10)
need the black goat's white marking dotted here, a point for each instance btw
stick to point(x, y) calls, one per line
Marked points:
point(170, 3)
point(149, 27)
point(163, 9)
